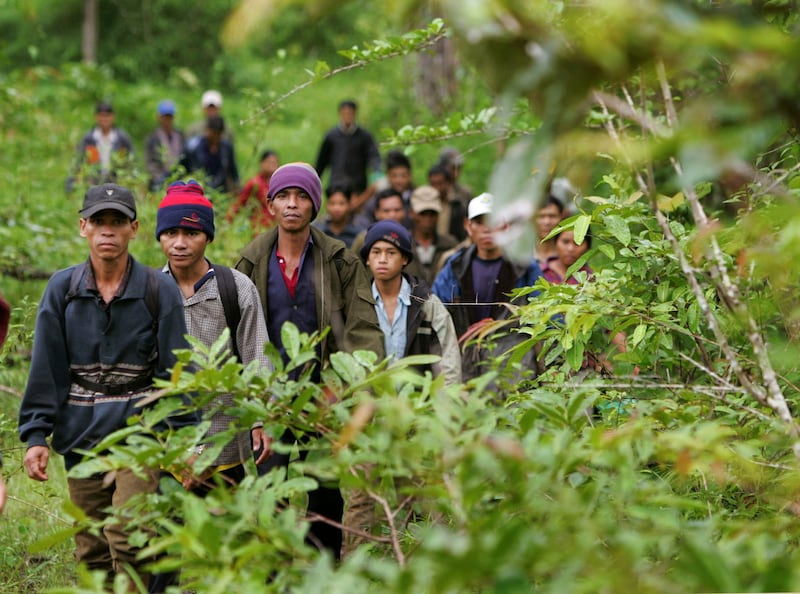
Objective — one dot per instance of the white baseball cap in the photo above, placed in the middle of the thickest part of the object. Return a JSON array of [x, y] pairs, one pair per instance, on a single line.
[[480, 205], [211, 98]]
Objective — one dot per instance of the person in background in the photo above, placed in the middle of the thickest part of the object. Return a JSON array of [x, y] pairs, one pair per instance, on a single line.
[[451, 217], [451, 159], [104, 330], [213, 156], [547, 218], [428, 244], [478, 279], [414, 322], [101, 151], [163, 148], [555, 271], [257, 187], [567, 253], [211, 105], [398, 177], [314, 282], [388, 207], [351, 154], [337, 216], [5, 315]]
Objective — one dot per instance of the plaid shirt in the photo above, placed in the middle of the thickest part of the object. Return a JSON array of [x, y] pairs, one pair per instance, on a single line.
[[205, 320]]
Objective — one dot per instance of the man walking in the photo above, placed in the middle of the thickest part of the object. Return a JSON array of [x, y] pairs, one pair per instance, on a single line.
[[104, 330], [350, 151], [312, 281]]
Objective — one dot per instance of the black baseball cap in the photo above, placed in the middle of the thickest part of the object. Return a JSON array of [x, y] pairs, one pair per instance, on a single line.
[[109, 197]]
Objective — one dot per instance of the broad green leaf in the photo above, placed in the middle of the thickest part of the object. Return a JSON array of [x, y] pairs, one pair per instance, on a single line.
[[618, 228], [638, 335], [581, 227]]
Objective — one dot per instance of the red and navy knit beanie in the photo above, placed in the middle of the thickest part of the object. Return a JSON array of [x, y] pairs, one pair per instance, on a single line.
[[185, 206]]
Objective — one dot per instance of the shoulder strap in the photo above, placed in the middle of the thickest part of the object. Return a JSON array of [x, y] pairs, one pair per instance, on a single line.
[[74, 283], [230, 302], [151, 295]]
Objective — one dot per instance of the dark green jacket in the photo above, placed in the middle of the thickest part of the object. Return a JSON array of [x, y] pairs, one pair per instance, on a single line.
[[343, 293]]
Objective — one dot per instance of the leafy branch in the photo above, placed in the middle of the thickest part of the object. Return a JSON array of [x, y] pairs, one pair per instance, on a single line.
[[372, 53]]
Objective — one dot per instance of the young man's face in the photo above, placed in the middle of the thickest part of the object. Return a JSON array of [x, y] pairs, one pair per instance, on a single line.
[[385, 261], [425, 221], [104, 120], [347, 115], [390, 208], [184, 248], [292, 209], [399, 178], [166, 121], [568, 251], [546, 220], [108, 232], [481, 234], [338, 207], [439, 183]]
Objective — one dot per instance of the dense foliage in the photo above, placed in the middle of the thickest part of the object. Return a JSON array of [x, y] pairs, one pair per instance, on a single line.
[[677, 119]]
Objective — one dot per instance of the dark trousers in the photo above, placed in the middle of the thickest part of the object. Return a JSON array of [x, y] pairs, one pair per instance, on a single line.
[[325, 501]]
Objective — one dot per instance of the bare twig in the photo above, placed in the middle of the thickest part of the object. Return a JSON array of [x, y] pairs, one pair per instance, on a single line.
[[429, 42]]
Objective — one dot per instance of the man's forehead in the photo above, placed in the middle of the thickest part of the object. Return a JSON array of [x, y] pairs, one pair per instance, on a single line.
[[108, 212]]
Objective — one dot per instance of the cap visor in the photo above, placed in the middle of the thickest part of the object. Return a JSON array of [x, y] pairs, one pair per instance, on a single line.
[[95, 208]]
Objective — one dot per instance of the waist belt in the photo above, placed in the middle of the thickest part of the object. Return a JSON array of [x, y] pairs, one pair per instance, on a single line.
[[113, 389]]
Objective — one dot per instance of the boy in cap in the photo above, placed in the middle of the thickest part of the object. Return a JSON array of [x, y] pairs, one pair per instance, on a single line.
[[414, 322], [477, 279], [211, 105], [313, 281], [163, 148], [104, 330], [102, 150], [213, 156], [429, 244]]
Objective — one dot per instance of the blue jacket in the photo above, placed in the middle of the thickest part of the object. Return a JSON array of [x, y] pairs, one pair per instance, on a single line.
[[80, 339], [451, 285]]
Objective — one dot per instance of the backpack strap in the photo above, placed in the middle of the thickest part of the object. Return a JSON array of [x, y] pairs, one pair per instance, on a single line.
[[74, 283], [229, 296], [150, 291], [151, 296]]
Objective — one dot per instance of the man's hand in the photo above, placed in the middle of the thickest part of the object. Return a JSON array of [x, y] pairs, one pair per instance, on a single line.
[[36, 462], [263, 442]]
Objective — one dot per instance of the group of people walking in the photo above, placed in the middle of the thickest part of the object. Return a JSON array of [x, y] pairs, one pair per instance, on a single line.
[[401, 285]]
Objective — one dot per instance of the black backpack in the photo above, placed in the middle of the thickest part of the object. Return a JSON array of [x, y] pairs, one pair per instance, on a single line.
[[227, 294]]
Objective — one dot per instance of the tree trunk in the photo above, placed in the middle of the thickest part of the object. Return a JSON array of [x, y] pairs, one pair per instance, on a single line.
[[89, 41], [436, 83]]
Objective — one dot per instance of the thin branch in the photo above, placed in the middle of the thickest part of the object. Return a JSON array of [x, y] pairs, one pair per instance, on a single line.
[[430, 41]]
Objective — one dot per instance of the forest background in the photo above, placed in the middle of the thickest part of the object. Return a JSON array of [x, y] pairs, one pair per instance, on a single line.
[[676, 120]]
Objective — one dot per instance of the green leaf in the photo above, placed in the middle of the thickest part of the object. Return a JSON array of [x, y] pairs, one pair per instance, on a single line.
[[638, 335], [581, 227], [618, 228]]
